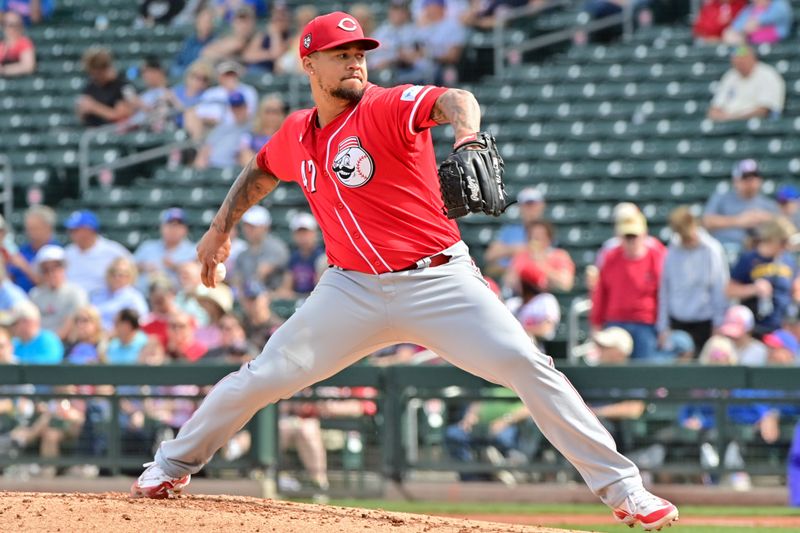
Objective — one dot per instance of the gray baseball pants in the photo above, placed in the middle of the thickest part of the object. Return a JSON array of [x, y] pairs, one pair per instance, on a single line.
[[448, 309]]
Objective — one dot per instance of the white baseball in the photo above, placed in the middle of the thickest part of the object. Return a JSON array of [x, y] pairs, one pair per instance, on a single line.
[[220, 272]]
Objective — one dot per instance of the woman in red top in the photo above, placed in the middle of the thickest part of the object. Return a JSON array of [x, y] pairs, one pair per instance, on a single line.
[[714, 17], [17, 54], [555, 263]]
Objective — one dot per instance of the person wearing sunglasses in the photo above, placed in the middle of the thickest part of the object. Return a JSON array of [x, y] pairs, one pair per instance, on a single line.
[[17, 53]]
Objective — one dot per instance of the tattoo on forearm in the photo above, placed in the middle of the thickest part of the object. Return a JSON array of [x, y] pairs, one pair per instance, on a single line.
[[252, 185], [458, 108]]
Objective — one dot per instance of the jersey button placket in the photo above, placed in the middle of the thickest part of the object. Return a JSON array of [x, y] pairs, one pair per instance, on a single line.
[[340, 205], [356, 235]]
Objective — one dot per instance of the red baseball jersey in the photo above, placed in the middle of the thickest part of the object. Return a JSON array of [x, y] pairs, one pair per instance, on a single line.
[[369, 177]]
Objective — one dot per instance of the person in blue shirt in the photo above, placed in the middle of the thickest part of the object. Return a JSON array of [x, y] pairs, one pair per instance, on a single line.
[[32, 11], [512, 238], [763, 278], [194, 44], [32, 344], [301, 276], [128, 339]]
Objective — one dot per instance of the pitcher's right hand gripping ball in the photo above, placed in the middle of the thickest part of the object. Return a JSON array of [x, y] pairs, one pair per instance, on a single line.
[[471, 178]]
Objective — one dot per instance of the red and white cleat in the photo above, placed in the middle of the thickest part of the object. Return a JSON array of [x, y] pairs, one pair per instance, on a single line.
[[155, 484], [647, 509]]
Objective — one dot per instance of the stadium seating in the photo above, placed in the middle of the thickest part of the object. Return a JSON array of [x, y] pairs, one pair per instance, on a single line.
[[589, 126]]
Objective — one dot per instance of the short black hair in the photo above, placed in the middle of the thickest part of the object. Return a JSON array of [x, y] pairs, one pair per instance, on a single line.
[[152, 61], [131, 316]]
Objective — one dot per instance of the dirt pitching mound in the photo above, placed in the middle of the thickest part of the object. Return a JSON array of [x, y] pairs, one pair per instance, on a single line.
[[78, 512]]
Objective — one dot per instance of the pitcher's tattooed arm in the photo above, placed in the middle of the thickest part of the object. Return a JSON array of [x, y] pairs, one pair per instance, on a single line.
[[460, 109], [250, 187]]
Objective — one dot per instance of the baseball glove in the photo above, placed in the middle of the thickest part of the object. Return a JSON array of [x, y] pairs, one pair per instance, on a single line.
[[471, 178]]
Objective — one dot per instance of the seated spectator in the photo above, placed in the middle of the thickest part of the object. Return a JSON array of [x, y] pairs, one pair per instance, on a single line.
[[439, 43], [266, 256], [750, 89], [155, 103], [189, 283], [482, 14], [610, 346], [119, 293], [270, 115], [728, 215], [763, 21], [788, 198], [31, 11], [783, 348], [624, 211], [301, 273], [266, 47], [396, 35], [17, 53], [127, 340], [215, 108], [555, 263], [627, 289], [233, 45], [10, 295], [10, 254], [153, 12], [227, 10], [56, 298], [181, 343], [692, 295], [234, 348], [512, 238], [161, 257], [161, 295], [259, 320], [39, 223], [489, 429], [714, 18], [538, 312], [32, 344], [90, 254], [734, 343], [764, 279], [216, 303], [85, 343], [107, 97], [194, 44], [289, 62], [221, 147], [188, 94]]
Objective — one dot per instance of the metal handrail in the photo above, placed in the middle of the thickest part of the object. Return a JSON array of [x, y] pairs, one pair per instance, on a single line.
[[8, 186], [578, 306], [86, 171], [567, 34]]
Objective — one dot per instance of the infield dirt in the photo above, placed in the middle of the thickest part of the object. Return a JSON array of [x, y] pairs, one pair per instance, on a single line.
[[116, 512]]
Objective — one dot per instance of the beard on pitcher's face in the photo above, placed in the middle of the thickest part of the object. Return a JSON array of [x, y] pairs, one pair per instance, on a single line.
[[351, 94]]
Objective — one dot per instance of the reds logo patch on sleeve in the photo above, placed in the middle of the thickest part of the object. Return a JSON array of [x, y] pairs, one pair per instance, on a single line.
[[410, 94], [352, 164]]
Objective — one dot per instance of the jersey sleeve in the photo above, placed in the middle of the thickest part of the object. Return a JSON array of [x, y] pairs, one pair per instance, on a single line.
[[411, 105], [270, 159]]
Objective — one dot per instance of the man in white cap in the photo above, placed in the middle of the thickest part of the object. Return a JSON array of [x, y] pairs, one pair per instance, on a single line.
[[728, 215], [512, 238], [56, 298], [301, 275], [266, 255]]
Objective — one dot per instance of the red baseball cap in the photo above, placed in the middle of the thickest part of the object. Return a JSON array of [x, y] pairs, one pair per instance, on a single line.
[[332, 30]]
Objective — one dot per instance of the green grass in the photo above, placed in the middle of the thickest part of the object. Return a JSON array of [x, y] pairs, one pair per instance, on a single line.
[[478, 508], [467, 508]]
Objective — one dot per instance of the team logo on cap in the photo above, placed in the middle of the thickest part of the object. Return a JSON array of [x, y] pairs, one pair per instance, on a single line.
[[353, 165], [347, 24], [307, 41]]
